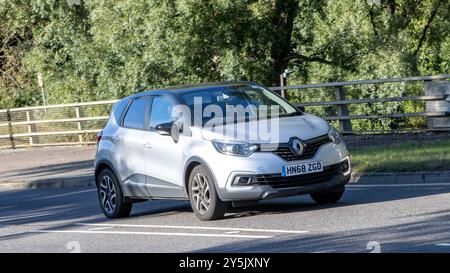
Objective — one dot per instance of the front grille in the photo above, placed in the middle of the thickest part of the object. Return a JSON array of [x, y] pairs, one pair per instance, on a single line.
[[277, 181], [312, 145]]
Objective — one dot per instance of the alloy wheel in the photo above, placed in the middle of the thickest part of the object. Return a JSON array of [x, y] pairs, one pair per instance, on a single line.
[[201, 193], [108, 194]]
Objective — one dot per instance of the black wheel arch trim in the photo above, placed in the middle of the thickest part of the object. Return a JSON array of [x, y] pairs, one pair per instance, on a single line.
[[111, 167], [202, 162]]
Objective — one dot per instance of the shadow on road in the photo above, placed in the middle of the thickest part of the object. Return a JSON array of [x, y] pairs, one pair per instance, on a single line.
[[358, 195], [409, 237], [49, 205], [52, 169], [63, 174], [60, 208], [64, 208]]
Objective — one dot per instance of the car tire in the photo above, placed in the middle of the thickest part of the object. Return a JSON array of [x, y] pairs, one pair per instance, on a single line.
[[327, 197], [205, 201], [110, 196]]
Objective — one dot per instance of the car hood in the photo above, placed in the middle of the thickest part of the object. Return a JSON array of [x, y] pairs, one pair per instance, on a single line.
[[278, 130]]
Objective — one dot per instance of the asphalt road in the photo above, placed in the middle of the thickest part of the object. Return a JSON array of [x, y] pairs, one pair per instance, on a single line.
[[388, 218]]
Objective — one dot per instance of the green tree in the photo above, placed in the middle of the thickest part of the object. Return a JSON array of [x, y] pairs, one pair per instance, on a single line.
[[109, 49]]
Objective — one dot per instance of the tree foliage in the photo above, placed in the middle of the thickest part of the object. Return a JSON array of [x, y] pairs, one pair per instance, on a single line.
[[90, 50]]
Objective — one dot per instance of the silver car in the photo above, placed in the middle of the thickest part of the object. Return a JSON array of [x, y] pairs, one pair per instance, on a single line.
[[216, 145]]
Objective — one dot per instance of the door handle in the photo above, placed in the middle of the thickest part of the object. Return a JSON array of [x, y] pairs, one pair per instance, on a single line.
[[147, 146], [115, 139]]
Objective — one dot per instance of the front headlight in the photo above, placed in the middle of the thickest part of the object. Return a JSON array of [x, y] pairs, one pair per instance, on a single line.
[[235, 148], [334, 135]]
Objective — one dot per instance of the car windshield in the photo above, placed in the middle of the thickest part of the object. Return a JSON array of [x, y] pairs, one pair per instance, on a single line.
[[255, 101]]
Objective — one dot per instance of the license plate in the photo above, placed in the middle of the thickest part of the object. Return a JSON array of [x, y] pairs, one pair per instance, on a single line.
[[299, 169]]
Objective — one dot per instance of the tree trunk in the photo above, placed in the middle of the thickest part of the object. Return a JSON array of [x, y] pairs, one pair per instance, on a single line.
[[283, 22]]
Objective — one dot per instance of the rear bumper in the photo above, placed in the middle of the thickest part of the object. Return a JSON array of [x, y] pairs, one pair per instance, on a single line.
[[274, 186]]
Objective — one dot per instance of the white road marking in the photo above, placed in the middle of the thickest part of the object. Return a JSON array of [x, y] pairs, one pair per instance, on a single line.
[[66, 194], [154, 233], [100, 228], [200, 227], [25, 216], [443, 244], [8, 207], [399, 185]]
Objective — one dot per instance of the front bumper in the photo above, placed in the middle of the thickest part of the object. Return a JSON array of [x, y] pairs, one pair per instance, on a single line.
[[335, 183], [267, 186]]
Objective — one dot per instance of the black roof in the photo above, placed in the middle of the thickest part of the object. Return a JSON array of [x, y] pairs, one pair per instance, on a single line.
[[200, 86], [188, 88]]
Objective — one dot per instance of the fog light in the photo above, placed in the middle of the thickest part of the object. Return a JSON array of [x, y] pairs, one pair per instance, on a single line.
[[242, 180], [345, 166]]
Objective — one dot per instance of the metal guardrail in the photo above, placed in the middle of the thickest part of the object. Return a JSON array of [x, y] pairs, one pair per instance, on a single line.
[[77, 123]]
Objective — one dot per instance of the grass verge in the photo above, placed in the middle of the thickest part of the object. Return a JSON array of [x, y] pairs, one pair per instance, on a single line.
[[405, 157]]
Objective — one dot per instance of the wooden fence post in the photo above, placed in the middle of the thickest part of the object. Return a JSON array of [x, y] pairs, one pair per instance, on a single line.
[[282, 84], [345, 125], [435, 88], [77, 114], [10, 129], [30, 139]]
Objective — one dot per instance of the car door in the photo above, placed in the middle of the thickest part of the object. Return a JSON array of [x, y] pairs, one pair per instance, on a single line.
[[164, 164], [131, 141]]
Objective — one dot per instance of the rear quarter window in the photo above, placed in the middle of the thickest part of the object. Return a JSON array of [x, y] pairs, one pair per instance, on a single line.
[[118, 109]]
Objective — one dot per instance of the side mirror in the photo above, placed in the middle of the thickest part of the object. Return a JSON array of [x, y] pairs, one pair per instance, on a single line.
[[169, 129], [164, 128], [301, 108]]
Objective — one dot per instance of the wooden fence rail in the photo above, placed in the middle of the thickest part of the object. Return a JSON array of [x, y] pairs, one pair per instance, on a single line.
[[77, 123], [341, 103]]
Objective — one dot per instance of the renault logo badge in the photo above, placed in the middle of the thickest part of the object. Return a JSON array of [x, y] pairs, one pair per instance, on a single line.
[[298, 146]]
